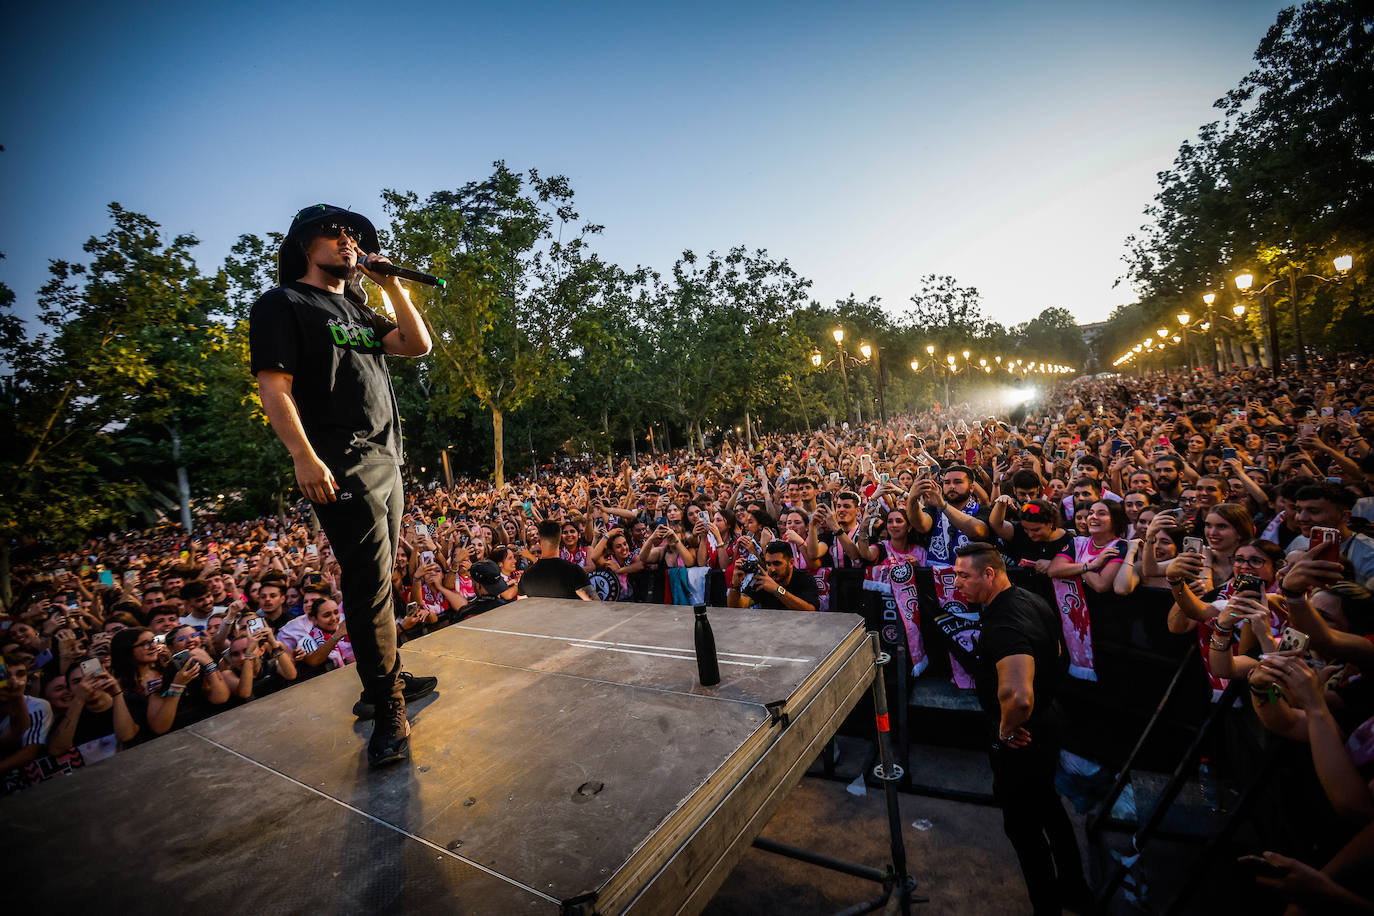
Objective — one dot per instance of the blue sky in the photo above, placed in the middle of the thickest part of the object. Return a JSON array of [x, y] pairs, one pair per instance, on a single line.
[[1013, 146]]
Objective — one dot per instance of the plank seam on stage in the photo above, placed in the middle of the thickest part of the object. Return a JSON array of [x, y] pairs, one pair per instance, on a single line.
[[592, 680], [377, 820], [590, 643]]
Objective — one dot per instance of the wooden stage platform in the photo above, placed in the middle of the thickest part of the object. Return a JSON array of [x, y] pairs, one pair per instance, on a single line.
[[568, 763]]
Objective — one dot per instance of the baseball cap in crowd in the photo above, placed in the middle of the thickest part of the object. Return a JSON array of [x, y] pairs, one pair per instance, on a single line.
[[488, 575]]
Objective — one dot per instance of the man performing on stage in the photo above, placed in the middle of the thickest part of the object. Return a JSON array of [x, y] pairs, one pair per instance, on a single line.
[[318, 353]]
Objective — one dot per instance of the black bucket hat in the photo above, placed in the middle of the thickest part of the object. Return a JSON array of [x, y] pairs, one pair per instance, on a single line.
[[291, 263]]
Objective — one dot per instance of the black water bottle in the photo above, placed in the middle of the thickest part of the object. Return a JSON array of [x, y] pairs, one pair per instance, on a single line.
[[707, 668]]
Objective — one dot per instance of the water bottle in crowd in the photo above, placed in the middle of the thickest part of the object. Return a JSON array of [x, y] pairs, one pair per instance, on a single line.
[[707, 667]]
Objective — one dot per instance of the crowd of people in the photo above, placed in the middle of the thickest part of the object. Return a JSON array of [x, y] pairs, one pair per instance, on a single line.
[[1229, 511]]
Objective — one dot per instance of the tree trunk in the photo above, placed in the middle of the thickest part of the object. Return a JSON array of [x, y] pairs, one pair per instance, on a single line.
[[183, 484], [606, 431], [748, 431], [498, 444], [281, 508], [6, 593], [634, 448]]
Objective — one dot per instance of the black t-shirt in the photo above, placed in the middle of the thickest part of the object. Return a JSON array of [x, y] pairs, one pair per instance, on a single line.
[[332, 348], [480, 605], [1018, 622], [1021, 547], [835, 557], [553, 577], [93, 725], [802, 584], [282, 620]]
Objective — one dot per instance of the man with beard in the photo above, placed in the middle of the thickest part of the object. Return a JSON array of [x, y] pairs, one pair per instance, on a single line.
[[319, 355], [1168, 479], [948, 513]]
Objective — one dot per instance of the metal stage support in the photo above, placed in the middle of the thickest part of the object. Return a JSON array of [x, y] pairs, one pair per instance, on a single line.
[[890, 773], [1150, 828]]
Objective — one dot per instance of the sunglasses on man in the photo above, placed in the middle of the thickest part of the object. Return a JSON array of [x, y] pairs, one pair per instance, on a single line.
[[332, 231]]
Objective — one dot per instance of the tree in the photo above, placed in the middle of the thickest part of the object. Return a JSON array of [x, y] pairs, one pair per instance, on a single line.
[[122, 350], [1052, 336], [725, 323], [516, 290], [1284, 179]]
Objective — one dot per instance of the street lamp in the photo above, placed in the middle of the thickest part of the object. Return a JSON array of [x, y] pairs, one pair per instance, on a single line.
[[1209, 298], [1183, 319], [875, 356], [818, 362], [1238, 309], [844, 373], [1244, 282], [930, 349], [915, 366]]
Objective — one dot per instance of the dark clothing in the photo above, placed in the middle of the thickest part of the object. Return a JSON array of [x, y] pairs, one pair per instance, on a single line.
[[364, 528], [332, 348], [1035, 822], [1018, 622], [286, 616], [553, 577], [1021, 547], [265, 683], [93, 725], [801, 585], [480, 605], [835, 557]]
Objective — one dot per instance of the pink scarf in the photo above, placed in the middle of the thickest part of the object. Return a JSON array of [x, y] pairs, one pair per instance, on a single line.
[[1072, 603], [903, 579]]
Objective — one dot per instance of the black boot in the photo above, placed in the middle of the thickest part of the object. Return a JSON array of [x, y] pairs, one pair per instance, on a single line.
[[413, 688], [390, 742]]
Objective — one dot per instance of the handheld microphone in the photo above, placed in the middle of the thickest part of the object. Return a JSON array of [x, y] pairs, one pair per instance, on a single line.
[[393, 270]]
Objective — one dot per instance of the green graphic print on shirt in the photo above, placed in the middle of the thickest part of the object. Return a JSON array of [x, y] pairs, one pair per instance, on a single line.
[[353, 337]]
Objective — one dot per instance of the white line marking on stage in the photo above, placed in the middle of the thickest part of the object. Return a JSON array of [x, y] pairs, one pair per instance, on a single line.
[[390, 826], [600, 643], [686, 658]]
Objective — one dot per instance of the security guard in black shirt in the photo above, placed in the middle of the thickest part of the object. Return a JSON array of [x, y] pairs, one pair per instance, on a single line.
[[1020, 665]]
